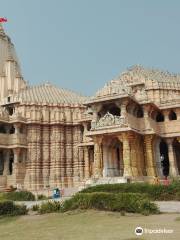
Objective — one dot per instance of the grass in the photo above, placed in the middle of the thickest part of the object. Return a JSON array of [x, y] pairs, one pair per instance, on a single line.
[[86, 225], [177, 219]]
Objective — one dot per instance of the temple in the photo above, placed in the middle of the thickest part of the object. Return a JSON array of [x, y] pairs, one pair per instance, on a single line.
[[52, 137]]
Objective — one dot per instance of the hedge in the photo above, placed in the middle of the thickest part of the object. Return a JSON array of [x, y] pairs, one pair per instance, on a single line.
[[154, 192], [9, 208], [128, 202], [18, 196]]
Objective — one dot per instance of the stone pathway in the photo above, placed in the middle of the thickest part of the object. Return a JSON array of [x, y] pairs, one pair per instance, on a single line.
[[169, 206]]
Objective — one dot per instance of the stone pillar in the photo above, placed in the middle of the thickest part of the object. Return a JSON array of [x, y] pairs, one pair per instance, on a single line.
[[147, 124], [17, 128], [134, 158], [6, 154], [86, 160], [46, 156], [173, 172], [81, 163], [149, 155], [16, 152], [98, 157], [166, 115], [126, 156], [123, 108]]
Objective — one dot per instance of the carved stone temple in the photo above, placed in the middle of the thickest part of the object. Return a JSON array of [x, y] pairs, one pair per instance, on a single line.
[[54, 137]]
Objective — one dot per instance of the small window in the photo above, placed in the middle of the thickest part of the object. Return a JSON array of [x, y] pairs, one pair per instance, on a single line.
[[172, 116], [9, 99], [160, 117]]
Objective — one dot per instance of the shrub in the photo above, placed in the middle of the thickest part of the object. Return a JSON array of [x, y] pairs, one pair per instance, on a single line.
[[35, 207], [154, 192], [128, 202], [9, 208], [42, 197], [49, 207], [19, 196]]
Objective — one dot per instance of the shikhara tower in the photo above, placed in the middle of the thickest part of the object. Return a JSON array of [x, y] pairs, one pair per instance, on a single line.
[[51, 137], [11, 80]]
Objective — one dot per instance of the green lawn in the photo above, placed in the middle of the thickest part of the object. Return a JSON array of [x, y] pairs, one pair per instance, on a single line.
[[87, 225]]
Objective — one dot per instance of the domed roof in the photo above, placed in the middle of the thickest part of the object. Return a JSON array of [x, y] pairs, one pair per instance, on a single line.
[[7, 52], [48, 94], [122, 85]]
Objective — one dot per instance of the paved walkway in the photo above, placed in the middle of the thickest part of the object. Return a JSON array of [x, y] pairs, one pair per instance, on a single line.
[[169, 206]]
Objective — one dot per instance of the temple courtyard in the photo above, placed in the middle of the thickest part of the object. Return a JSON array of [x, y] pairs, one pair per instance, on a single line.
[[88, 225]]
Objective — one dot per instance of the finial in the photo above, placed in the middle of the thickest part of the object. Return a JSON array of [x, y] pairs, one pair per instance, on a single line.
[[2, 33]]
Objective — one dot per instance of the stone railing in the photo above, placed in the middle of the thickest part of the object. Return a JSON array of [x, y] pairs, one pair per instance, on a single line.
[[109, 120], [7, 140], [11, 119]]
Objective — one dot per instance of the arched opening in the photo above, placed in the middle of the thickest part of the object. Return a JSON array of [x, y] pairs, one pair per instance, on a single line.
[[89, 126], [176, 147], [172, 115], [111, 108], [164, 157], [10, 110], [112, 158], [2, 129], [138, 112], [159, 117]]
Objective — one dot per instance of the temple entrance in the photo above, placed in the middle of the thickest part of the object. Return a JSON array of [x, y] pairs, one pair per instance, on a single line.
[[164, 157], [176, 147], [112, 158]]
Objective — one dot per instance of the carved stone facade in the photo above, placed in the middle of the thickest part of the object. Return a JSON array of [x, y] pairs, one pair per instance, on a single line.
[[51, 137]]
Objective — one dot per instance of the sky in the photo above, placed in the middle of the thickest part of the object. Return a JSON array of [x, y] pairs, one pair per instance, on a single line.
[[82, 44]]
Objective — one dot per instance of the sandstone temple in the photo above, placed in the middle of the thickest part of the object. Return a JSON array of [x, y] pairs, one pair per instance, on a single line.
[[51, 137]]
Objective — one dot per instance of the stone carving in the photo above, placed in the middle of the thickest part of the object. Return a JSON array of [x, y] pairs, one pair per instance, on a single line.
[[109, 120]]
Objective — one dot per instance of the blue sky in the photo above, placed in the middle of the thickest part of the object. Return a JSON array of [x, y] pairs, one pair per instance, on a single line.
[[82, 44]]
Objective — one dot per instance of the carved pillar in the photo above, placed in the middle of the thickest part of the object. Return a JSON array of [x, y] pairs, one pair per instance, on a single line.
[[81, 163], [134, 156], [6, 154], [149, 156], [173, 171], [126, 155], [53, 156], [69, 156], [87, 165], [123, 108], [46, 156], [146, 109], [16, 164], [98, 165], [166, 115], [17, 127], [62, 163], [77, 138]]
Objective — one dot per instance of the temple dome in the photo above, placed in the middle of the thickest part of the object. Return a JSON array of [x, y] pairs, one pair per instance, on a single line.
[[138, 75], [48, 94]]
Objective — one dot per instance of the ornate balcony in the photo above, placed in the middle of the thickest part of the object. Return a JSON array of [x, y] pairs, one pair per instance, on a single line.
[[112, 123], [109, 120]]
